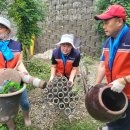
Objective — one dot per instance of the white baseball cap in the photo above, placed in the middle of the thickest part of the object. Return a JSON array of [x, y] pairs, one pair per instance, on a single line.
[[70, 38], [5, 22]]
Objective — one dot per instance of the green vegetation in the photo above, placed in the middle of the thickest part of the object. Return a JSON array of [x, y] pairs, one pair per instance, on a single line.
[[19, 124], [39, 68], [3, 5], [10, 86], [89, 60], [26, 14], [102, 5], [78, 125]]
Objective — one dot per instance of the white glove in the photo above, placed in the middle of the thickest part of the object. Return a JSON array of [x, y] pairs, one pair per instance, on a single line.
[[118, 85]]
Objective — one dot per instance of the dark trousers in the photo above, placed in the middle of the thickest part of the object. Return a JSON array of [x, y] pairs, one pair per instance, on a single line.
[[123, 123]]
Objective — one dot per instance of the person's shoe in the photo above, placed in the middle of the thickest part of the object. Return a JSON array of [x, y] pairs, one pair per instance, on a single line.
[[10, 124], [27, 119]]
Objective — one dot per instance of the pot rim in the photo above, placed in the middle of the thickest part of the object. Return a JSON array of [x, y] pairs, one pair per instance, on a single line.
[[14, 93], [110, 111]]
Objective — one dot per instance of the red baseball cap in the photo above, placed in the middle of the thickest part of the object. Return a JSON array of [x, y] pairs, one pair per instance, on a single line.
[[112, 11]]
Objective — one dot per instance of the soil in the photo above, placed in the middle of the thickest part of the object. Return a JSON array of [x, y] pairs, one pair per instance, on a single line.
[[44, 115]]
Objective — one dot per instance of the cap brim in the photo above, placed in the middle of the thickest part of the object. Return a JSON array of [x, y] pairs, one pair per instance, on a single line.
[[59, 43], [103, 17]]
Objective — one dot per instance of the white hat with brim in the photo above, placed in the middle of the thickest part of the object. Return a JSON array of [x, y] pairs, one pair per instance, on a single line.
[[5, 22], [69, 38]]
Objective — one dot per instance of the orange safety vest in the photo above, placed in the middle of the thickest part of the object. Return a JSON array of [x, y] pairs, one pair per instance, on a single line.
[[60, 67], [16, 49], [64, 70], [121, 63]]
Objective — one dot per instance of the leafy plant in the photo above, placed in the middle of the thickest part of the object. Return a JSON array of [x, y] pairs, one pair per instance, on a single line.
[[26, 14], [3, 5], [39, 68], [102, 5], [10, 86]]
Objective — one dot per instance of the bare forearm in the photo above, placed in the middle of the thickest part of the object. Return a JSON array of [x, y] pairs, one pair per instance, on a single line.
[[101, 72], [53, 72], [73, 73], [22, 68]]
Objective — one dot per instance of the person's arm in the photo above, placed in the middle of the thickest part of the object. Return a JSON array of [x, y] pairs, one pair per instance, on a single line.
[[20, 66], [101, 72], [26, 77], [119, 84], [73, 73], [53, 67], [74, 70], [53, 72]]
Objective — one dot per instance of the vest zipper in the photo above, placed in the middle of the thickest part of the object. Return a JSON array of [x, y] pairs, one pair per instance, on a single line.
[[64, 70], [5, 64]]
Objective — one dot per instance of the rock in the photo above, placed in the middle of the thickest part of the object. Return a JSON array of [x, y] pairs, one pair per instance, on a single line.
[[45, 55]]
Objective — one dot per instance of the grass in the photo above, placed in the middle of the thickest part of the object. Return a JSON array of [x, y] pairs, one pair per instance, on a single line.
[[89, 60], [38, 68], [19, 124], [79, 125], [41, 69]]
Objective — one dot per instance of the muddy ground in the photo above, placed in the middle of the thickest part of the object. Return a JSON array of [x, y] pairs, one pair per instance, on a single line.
[[44, 115]]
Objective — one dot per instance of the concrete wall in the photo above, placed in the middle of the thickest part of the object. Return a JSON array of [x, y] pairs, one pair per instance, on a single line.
[[70, 16], [67, 16]]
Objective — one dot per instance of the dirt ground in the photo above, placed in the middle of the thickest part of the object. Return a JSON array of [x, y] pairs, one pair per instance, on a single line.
[[44, 115]]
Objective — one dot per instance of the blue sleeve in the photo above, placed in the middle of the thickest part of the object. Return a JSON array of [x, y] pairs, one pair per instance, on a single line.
[[53, 59], [77, 60], [102, 57]]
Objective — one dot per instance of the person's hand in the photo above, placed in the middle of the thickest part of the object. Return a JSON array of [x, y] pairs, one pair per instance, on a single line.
[[118, 85], [2, 70], [70, 84], [71, 80], [51, 78]]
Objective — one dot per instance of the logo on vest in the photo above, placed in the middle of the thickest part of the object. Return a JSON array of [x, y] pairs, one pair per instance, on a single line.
[[124, 44], [71, 58]]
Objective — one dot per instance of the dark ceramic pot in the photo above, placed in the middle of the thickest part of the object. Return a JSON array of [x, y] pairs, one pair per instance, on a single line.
[[9, 104], [104, 104]]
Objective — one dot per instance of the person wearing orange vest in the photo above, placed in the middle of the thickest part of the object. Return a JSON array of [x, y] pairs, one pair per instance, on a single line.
[[11, 57], [115, 59], [66, 57]]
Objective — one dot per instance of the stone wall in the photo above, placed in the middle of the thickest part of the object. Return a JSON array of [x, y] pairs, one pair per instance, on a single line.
[[69, 16]]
